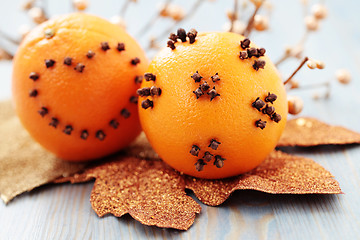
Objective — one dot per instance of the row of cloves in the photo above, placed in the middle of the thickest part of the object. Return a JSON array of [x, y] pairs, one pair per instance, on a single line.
[[68, 128], [90, 54], [84, 133], [105, 46], [265, 108], [67, 61], [181, 35], [252, 52], [200, 163], [204, 87], [120, 47], [80, 68]]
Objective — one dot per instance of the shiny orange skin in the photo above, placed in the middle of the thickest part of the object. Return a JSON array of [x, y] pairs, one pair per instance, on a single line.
[[178, 120], [86, 100]]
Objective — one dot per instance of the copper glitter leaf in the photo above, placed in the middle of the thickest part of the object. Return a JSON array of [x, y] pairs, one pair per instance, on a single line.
[[140, 149], [24, 164], [149, 190], [306, 132], [137, 182], [280, 173]]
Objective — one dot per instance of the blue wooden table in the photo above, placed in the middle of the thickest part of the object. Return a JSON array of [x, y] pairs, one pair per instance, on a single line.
[[64, 212]]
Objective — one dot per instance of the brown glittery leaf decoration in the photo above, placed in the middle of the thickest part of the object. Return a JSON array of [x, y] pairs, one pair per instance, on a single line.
[[149, 190], [137, 182], [24, 164], [306, 132], [280, 173], [140, 149]]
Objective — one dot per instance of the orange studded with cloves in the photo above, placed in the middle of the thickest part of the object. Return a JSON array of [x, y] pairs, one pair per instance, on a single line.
[[75, 91], [222, 106]]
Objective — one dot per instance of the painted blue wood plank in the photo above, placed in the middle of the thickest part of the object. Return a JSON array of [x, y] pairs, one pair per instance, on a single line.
[[64, 211]]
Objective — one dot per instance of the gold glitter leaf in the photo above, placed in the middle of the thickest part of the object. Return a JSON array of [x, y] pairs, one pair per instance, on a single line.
[[306, 132], [280, 173], [24, 164], [149, 190]]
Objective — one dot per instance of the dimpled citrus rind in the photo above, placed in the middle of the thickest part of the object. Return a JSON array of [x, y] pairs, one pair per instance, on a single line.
[[178, 120], [86, 101]]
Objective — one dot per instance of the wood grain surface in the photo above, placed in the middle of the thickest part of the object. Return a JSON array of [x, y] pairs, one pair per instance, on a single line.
[[64, 212]]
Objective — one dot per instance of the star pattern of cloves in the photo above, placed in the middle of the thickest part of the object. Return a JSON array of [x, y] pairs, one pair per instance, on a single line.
[[79, 67], [208, 156], [204, 87], [265, 108]]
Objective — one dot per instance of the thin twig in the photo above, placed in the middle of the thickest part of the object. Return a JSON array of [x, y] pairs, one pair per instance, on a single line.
[[312, 86], [124, 8], [9, 54], [305, 8], [152, 21], [300, 44], [296, 70], [249, 26], [45, 8], [235, 16], [194, 8], [303, 39], [8, 38], [148, 25], [282, 59]]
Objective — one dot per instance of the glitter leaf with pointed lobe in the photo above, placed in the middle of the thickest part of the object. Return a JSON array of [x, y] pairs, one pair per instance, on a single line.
[[149, 190], [307, 132], [24, 164], [280, 173], [84, 76]]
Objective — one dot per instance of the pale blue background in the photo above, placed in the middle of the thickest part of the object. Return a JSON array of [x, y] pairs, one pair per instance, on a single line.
[[64, 212]]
